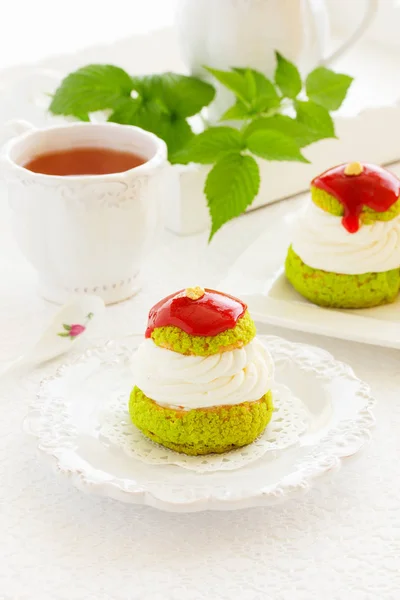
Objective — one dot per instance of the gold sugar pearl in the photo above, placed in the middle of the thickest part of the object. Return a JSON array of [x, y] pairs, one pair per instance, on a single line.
[[194, 293], [354, 168]]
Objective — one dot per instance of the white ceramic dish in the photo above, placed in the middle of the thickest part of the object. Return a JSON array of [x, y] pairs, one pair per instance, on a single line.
[[257, 277], [67, 414]]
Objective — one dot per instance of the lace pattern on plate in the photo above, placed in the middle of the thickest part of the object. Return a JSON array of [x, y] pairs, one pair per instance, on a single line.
[[50, 421], [288, 422]]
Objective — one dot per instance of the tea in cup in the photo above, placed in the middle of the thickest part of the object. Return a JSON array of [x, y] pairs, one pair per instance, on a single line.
[[84, 204]]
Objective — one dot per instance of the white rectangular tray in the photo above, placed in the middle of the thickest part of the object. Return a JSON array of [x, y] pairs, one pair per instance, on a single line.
[[257, 277]]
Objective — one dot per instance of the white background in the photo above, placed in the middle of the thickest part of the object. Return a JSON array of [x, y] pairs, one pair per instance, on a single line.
[[32, 30], [340, 542]]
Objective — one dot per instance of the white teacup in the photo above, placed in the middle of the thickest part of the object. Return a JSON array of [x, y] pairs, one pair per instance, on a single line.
[[84, 234]]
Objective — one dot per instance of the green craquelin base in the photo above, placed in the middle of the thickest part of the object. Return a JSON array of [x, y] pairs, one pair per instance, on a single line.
[[177, 340], [204, 430], [330, 204], [335, 290]]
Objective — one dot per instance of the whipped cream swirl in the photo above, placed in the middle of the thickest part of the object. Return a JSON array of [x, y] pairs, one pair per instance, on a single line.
[[175, 380], [322, 242]]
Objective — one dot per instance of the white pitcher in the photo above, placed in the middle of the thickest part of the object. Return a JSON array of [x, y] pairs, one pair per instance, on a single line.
[[245, 33]]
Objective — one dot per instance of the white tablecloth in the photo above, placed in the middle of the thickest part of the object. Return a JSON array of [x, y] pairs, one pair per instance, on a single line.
[[340, 542]]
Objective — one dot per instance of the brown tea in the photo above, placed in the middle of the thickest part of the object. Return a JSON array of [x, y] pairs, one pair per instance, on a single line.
[[84, 161]]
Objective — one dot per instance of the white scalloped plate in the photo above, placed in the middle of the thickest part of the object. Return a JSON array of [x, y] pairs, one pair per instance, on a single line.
[[65, 418]]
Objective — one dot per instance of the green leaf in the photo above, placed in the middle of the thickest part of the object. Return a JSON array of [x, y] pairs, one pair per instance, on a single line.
[[83, 117], [313, 123], [63, 334], [327, 88], [287, 77], [145, 85], [274, 145], [252, 88], [91, 88], [231, 187], [248, 76], [183, 96], [126, 110], [267, 96], [207, 147], [149, 115], [316, 118], [176, 133], [261, 90], [286, 125], [67, 327], [237, 112], [235, 82]]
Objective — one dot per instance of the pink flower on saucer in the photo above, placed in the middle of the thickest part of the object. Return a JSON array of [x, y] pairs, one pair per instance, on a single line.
[[74, 330]]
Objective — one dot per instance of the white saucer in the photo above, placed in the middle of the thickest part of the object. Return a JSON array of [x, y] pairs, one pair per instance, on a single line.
[[66, 419], [257, 278]]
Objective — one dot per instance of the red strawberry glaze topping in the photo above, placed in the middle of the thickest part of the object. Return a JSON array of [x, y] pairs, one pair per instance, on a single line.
[[197, 312], [356, 186]]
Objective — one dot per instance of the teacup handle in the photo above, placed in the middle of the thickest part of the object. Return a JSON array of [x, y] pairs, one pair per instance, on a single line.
[[10, 130], [14, 128]]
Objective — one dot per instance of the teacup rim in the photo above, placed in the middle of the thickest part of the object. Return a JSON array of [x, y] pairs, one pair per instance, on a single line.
[[160, 156]]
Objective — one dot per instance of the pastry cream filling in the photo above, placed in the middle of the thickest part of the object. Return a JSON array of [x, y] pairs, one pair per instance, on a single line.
[[177, 380], [321, 241]]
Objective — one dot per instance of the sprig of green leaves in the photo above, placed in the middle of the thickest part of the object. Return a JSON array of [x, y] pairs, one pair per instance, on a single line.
[[160, 103], [276, 119]]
